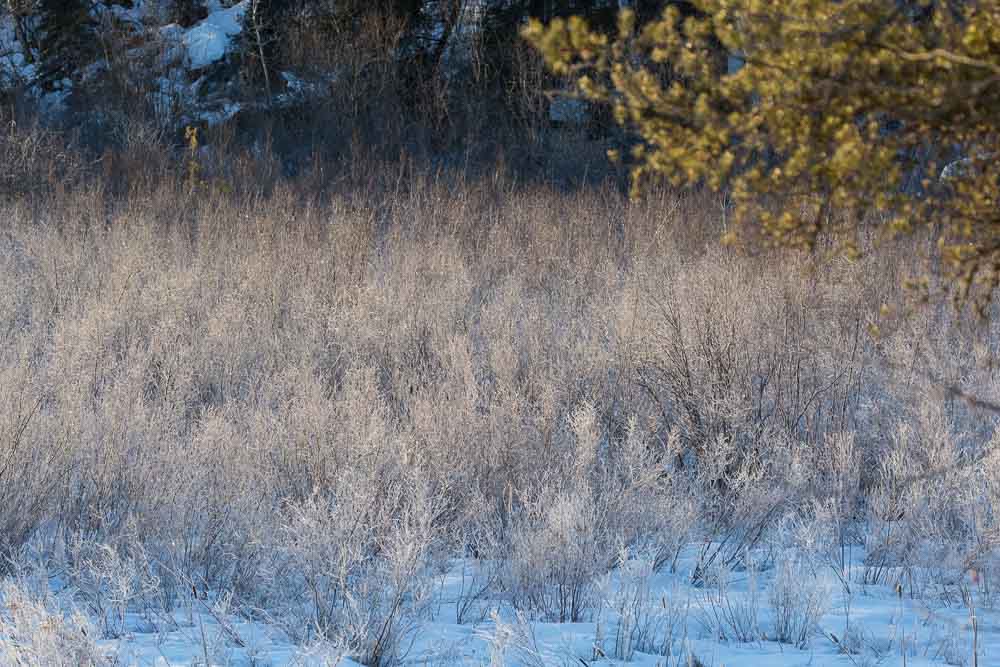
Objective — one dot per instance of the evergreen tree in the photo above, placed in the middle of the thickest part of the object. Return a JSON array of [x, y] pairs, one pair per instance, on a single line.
[[838, 105]]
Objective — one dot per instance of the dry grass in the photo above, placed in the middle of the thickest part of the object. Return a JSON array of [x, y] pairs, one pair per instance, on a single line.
[[309, 406]]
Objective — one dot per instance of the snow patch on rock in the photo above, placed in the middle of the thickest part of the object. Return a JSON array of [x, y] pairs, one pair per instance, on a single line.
[[14, 68], [208, 41]]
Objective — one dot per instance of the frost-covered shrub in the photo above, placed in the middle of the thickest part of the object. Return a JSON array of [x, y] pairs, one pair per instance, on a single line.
[[739, 498], [731, 615], [798, 600], [195, 364], [608, 493], [112, 580], [35, 629], [927, 510], [643, 619], [31, 462], [353, 567], [559, 547], [651, 507], [513, 642]]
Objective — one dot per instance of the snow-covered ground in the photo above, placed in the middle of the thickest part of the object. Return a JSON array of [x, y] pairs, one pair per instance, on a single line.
[[690, 625]]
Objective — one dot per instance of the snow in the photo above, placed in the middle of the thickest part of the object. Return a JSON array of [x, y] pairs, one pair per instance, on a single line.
[[881, 625], [14, 68], [208, 41], [184, 53], [220, 115]]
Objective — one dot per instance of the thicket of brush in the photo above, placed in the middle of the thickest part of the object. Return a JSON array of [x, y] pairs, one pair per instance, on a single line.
[[307, 400]]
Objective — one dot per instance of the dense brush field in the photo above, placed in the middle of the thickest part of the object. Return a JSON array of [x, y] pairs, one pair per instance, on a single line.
[[444, 419]]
